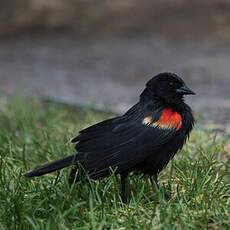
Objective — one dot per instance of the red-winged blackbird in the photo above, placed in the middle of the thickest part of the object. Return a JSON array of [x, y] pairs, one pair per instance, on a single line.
[[143, 140]]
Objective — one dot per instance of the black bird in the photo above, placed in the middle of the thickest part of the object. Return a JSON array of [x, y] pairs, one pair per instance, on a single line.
[[142, 140]]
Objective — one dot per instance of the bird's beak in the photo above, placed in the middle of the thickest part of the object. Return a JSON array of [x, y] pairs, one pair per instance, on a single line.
[[185, 90]]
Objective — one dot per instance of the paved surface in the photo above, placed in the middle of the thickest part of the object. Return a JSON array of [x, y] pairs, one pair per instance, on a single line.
[[110, 73]]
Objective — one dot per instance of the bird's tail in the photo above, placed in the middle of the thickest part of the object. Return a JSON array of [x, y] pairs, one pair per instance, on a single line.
[[52, 166]]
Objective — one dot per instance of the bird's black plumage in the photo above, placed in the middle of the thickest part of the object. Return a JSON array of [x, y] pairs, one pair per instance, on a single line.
[[143, 140]]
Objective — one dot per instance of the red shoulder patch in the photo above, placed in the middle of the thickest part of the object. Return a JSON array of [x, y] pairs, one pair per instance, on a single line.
[[169, 119]]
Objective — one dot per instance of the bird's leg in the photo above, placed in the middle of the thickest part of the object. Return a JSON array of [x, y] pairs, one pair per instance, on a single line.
[[155, 185], [154, 181], [124, 195]]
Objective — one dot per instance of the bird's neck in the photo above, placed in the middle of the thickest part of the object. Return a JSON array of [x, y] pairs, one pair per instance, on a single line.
[[149, 99], [146, 95]]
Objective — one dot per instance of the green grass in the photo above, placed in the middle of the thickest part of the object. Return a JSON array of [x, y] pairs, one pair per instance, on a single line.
[[34, 132]]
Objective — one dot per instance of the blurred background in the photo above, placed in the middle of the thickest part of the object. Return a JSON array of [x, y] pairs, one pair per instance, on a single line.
[[101, 53]]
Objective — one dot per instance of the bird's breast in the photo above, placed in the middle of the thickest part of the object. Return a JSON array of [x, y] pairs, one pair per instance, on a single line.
[[168, 119]]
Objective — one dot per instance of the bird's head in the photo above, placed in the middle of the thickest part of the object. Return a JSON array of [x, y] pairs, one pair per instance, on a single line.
[[168, 87]]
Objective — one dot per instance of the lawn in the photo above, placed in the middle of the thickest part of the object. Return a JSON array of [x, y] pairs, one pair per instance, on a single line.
[[33, 132]]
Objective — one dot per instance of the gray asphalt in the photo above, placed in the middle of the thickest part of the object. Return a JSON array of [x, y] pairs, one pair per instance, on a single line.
[[110, 73]]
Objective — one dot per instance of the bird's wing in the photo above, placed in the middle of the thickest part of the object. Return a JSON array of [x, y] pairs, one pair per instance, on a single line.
[[120, 143]]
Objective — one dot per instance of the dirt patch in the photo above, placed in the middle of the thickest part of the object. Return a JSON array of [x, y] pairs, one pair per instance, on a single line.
[[172, 18]]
